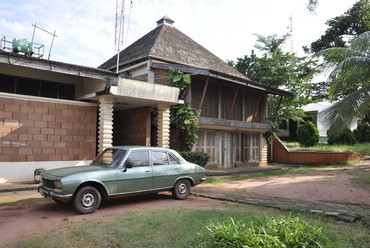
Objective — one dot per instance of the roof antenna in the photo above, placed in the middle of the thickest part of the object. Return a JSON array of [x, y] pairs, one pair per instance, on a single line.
[[52, 41], [119, 28]]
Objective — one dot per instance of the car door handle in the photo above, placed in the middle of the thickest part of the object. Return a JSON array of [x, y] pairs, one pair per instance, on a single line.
[[148, 171]]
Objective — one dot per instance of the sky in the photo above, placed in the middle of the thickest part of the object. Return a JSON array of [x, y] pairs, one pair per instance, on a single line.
[[85, 29]]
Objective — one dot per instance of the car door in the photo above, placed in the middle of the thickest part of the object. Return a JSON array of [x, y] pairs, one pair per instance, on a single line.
[[166, 169], [136, 175]]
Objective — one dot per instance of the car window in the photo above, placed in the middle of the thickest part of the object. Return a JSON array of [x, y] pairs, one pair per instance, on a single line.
[[110, 158], [160, 158], [172, 159], [163, 158], [137, 159]]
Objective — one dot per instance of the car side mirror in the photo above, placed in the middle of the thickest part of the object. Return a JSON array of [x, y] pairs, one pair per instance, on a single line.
[[128, 165]]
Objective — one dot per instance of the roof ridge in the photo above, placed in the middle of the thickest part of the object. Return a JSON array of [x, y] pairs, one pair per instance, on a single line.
[[156, 38]]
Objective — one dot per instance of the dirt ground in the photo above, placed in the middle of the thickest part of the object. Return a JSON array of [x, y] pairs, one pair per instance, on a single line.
[[329, 185], [325, 185]]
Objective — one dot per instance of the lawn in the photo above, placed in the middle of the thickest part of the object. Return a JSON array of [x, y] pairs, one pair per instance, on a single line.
[[262, 174], [181, 228], [363, 148]]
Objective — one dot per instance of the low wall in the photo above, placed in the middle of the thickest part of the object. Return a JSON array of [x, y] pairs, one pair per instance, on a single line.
[[23, 171], [281, 154]]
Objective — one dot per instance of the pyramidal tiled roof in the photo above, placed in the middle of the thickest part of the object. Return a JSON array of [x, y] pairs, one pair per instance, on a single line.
[[168, 44]]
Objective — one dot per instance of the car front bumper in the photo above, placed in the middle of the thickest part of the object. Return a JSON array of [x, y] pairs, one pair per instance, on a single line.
[[55, 196]]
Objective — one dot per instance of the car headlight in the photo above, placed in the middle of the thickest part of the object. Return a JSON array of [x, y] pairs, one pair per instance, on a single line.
[[58, 184]]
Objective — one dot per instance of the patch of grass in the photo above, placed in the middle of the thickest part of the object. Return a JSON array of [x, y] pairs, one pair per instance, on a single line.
[[24, 200], [265, 232], [262, 174], [362, 178], [362, 148], [177, 228]]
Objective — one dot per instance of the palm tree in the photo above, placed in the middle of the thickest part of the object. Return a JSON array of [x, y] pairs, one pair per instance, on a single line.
[[349, 82]]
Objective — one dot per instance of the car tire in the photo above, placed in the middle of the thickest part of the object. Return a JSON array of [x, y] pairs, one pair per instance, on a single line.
[[181, 190], [87, 200]]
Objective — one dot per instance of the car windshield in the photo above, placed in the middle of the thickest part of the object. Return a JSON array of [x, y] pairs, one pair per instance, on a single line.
[[110, 157]]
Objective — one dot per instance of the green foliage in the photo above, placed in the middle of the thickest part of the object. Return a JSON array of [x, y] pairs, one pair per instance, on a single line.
[[307, 134], [179, 80], [185, 119], [345, 137], [174, 227], [265, 232], [283, 70], [312, 5], [349, 83], [199, 158], [183, 116], [362, 132], [353, 22], [363, 148]]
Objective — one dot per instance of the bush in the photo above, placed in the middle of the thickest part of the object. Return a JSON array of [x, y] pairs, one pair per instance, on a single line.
[[346, 137], [265, 232], [307, 134], [199, 158], [362, 132]]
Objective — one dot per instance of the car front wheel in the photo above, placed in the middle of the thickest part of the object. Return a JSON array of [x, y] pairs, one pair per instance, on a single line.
[[182, 189], [87, 200]]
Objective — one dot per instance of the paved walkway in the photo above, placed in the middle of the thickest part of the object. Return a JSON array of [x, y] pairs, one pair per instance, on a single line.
[[18, 191], [342, 212]]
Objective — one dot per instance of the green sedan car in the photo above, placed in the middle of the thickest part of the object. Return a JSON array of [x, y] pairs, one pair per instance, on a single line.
[[121, 171]]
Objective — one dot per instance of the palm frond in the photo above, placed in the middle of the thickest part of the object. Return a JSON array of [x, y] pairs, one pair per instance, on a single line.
[[343, 112]]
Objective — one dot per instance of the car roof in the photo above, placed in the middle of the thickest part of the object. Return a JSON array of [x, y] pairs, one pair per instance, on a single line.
[[140, 147]]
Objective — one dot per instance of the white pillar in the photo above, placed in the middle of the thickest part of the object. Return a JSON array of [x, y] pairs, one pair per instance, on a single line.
[[263, 150], [163, 134], [105, 138]]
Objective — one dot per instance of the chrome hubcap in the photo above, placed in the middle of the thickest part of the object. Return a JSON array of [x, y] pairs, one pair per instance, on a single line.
[[182, 188], [88, 200]]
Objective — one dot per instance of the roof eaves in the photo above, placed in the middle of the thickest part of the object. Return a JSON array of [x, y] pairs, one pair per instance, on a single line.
[[58, 63], [202, 71]]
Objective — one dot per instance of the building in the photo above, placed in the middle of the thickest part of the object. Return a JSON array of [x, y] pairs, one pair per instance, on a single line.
[[54, 114], [232, 108], [314, 112]]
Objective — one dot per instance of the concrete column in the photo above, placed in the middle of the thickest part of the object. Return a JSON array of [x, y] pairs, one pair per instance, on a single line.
[[163, 134], [105, 138], [263, 150]]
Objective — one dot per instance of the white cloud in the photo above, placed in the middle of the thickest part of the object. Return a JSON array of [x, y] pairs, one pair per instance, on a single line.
[[85, 29]]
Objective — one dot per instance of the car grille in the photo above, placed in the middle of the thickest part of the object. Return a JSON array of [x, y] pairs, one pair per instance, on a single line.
[[48, 183]]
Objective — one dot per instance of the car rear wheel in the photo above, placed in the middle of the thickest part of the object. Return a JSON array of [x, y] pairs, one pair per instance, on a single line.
[[87, 200], [181, 190]]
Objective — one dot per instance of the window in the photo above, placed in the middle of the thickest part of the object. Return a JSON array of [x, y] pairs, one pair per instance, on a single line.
[[137, 159], [110, 158], [35, 87], [27, 86], [49, 89], [7, 84], [251, 149], [163, 158]]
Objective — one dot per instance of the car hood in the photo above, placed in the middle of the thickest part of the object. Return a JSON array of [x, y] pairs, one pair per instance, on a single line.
[[67, 171]]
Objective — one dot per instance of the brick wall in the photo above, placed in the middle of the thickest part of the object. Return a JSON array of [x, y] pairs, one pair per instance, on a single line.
[[143, 78], [132, 127], [160, 77], [33, 130]]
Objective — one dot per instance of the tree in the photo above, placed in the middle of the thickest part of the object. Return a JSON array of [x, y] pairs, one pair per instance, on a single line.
[[312, 5], [307, 134], [349, 82], [353, 22], [282, 70]]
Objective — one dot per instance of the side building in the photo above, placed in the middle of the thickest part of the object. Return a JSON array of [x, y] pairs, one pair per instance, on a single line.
[[232, 108], [54, 114]]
